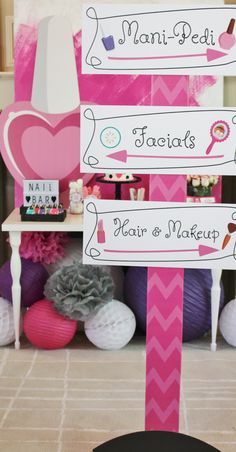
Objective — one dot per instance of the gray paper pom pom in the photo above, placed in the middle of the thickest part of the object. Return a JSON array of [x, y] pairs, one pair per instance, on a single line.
[[79, 290]]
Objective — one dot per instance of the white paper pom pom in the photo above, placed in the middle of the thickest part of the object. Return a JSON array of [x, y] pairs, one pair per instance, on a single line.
[[7, 334], [227, 323], [112, 327]]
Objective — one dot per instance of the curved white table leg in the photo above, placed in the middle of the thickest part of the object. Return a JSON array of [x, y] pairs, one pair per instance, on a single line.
[[215, 305], [15, 240]]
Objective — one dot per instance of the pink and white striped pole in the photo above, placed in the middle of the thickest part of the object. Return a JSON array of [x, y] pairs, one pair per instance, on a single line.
[[165, 293]]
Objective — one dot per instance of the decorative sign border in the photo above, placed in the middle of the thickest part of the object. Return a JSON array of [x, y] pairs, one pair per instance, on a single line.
[[140, 232], [154, 140], [121, 38]]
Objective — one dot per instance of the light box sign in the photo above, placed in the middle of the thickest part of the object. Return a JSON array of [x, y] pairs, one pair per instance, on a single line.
[[158, 140], [38, 192], [154, 39], [159, 234]]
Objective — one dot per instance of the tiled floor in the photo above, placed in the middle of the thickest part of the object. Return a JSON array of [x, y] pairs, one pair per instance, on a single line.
[[73, 399]]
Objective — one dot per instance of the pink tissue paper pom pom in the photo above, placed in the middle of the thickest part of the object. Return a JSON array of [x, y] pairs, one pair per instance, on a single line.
[[44, 247]]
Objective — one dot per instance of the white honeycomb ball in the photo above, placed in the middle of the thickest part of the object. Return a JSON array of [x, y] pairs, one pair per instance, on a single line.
[[112, 327], [7, 334], [227, 323]]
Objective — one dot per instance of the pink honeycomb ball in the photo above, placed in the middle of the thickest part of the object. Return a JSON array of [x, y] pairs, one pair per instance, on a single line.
[[47, 329]]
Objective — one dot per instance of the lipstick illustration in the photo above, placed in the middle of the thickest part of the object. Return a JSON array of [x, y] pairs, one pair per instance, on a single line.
[[227, 39], [35, 135], [101, 238], [231, 230]]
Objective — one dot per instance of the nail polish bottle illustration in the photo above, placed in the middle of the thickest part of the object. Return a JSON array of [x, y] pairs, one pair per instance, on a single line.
[[101, 238], [108, 41], [35, 136], [227, 39]]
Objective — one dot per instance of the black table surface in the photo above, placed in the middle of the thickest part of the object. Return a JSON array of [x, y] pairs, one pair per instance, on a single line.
[[157, 441]]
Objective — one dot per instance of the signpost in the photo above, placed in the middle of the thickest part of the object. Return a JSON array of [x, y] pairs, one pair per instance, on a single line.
[[166, 142]]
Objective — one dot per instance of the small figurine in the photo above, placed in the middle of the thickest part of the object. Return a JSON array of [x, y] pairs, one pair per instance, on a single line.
[[76, 197]]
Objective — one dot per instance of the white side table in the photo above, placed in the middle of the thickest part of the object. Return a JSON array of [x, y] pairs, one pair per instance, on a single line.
[[14, 225], [72, 223]]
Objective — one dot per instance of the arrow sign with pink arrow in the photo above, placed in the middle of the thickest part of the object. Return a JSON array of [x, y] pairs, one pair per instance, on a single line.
[[157, 40], [157, 140], [160, 234]]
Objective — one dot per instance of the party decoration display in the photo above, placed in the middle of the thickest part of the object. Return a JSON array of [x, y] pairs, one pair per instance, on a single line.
[[40, 192], [186, 139], [33, 279], [112, 327], [131, 38], [40, 139], [44, 247], [227, 323], [7, 333], [158, 234], [79, 290], [76, 197], [47, 329], [197, 300]]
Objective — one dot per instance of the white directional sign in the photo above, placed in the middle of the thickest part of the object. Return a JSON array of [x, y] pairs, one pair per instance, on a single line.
[[159, 234], [158, 140], [154, 39]]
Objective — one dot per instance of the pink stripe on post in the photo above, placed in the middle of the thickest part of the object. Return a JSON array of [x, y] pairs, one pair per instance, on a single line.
[[165, 294]]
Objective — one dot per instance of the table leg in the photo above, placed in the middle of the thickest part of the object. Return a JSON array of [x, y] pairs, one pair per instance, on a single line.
[[215, 305], [15, 240]]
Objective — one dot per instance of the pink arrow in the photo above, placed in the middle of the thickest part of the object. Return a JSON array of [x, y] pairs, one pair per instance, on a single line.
[[122, 156], [211, 54], [202, 250]]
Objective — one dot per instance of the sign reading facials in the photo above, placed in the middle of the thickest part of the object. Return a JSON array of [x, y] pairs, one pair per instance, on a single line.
[[159, 39], [160, 234], [158, 140], [38, 192]]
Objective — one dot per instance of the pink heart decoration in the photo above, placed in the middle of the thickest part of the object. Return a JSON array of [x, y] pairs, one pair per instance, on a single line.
[[39, 146]]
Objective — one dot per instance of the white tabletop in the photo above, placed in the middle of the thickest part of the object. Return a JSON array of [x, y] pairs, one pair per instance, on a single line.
[[72, 223]]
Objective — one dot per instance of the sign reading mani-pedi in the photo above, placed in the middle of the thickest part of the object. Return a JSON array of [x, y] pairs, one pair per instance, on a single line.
[[154, 140], [154, 39], [160, 234]]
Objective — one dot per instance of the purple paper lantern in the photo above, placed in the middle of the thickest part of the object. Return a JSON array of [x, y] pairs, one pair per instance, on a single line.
[[33, 279], [197, 300]]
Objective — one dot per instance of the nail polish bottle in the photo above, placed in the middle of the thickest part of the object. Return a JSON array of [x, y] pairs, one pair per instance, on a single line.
[[227, 39], [101, 238], [40, 139]]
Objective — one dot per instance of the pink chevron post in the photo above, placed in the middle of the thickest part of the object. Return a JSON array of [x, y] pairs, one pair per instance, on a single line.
[[165, 294]]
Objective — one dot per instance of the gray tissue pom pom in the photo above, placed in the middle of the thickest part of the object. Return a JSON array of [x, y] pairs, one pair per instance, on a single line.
[[79, 290]]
